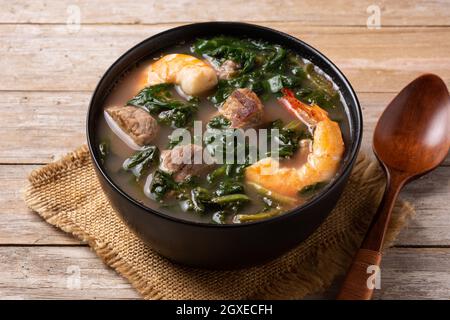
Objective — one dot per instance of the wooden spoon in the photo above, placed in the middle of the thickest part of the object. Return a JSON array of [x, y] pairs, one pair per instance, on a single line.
[[410, 139]]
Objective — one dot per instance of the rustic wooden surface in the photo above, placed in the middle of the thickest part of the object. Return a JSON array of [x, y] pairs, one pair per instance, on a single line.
[[48, 73]]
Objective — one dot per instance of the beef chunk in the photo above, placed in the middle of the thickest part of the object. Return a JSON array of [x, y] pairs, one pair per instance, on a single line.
[[243, 108], [181, 163], [227, 69], [136, 122]]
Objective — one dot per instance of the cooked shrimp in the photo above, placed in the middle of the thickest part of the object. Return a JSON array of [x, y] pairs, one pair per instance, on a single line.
[[322, 163], [193, 75]]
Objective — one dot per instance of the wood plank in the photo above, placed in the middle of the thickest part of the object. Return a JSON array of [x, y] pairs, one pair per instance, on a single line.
[[20, 226], [53, 273], [430, 195], [415, 274], [38, 126], [50, 273], [305, 12], [48, 57], [407, 273]]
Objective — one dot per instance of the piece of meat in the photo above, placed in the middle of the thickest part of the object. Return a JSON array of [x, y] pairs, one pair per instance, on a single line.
[[243, 108], [184, 161], [227, 69], [136, 122]]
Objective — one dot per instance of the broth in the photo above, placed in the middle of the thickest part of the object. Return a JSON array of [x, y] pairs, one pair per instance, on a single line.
[[129, 86]]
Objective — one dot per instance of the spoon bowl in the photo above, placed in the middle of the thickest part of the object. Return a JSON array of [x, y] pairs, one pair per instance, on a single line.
[[412, 134]]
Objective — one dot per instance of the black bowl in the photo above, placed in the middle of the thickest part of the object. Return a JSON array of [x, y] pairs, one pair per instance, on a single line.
[[234, 245]]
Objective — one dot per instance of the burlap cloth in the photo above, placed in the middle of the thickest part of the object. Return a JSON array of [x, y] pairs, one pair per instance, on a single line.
[[66, 194]]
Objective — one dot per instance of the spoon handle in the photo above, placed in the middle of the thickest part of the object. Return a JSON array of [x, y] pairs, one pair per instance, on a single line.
[[363, 274]]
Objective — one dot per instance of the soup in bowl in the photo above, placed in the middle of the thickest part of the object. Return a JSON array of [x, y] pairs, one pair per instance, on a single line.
[[223, 144]]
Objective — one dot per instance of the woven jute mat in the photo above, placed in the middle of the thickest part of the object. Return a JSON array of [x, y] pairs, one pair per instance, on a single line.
[[66, 194]]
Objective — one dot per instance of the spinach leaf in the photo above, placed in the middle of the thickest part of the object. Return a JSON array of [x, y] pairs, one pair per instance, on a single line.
[[236, 171], [219, 122], [312, 189], [199, 197], [265, 66], [162, 183], [275, 83], [265, 214], [158, 101], [217, 173], [218, 217], [276, 59], [231, 199], [288, 138], [141, 160], [155, 98], [229, 187], [318, 90], [223, 48], [174, 141], [318, 96]]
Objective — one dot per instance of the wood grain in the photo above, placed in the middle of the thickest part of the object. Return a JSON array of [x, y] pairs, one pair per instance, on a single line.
[[304, 12], [52, 273], [20, 226], [48, 57], [45, 272], [415, 274]]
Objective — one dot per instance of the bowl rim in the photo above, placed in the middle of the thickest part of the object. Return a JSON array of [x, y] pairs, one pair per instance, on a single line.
[[356, 127]]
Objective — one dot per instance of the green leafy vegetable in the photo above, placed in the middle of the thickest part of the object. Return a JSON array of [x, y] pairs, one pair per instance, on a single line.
[[199, 198], [141, 160], [318, 90], [162, 183], [231, 198], [288, 138], [236, 171], [275, 83], [217, 173], [229, 187], [312, 189], [158, 101], [228, 196], [257, 216], [265, 67], [319, 97], [219, 122], [222, 48], [218, 217], [103, 149], [174, 141], [271, 194]]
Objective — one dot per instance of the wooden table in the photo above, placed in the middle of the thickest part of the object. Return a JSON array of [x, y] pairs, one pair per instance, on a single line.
[[49, 70]]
